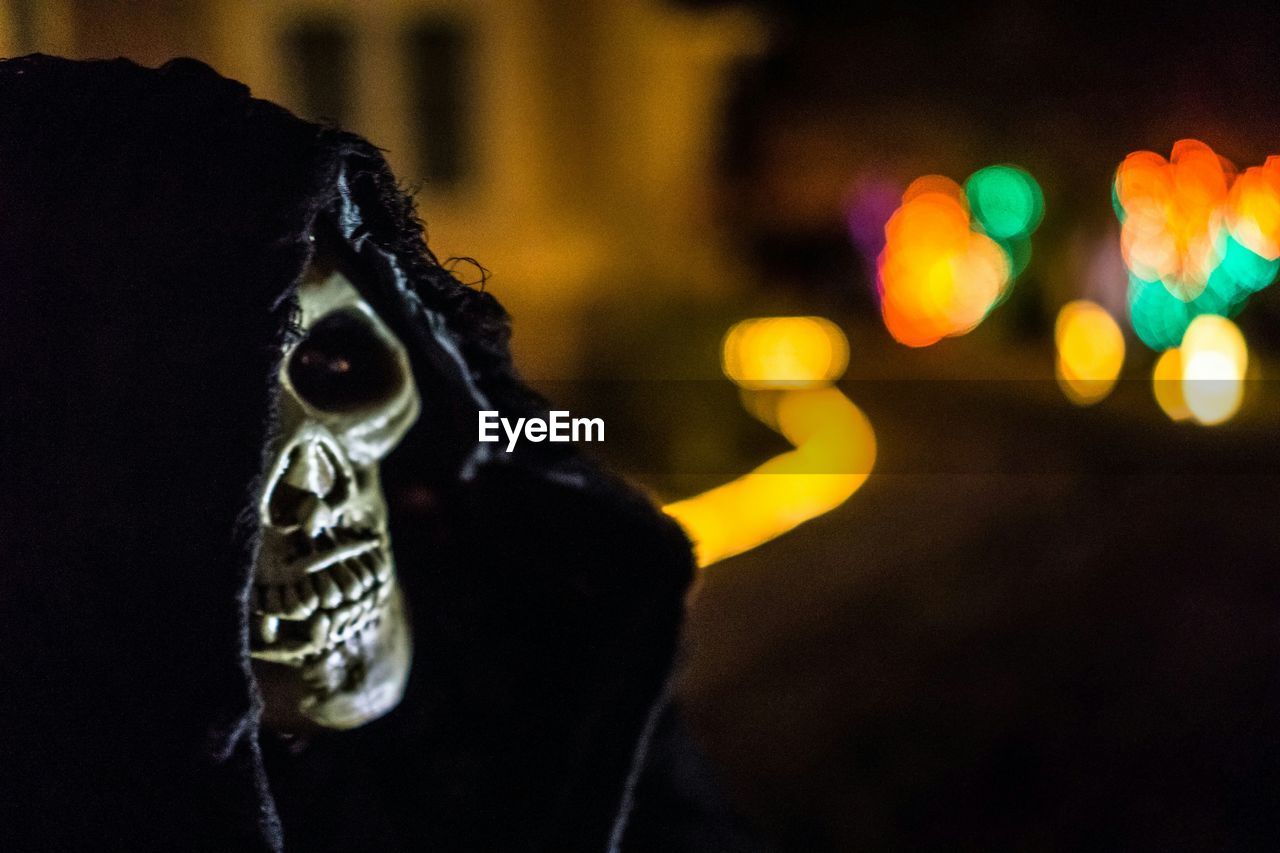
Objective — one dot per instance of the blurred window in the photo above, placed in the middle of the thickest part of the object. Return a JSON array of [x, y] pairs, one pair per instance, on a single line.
[[437, 53], [319, 55]]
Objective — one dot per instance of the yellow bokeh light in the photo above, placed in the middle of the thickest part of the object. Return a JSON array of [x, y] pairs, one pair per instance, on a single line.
[[1090, 348], [1166, 381], [784, 352], [1212, 333], [1214, 360]]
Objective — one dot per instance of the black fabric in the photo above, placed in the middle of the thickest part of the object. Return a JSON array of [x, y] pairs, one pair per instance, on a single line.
[[679, 806], [153, 227]]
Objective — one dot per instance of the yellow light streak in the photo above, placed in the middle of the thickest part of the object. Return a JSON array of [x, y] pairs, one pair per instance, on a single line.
[[835, 445]]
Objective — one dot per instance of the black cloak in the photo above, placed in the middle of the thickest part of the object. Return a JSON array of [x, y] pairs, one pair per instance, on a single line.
[[153, 227]]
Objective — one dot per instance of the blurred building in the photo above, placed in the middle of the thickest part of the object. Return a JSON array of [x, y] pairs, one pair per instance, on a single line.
[[568, 146]]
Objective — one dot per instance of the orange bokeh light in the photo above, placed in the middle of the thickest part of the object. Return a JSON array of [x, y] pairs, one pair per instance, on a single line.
[[1198, 236], [1173, 215], [1253, 211], [937, 275]]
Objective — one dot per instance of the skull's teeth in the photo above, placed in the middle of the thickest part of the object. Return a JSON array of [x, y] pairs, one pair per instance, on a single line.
[[345, 621], [364, 569], [330, 594], [320, 630], [327, 633], [308, 595], [382, 567], [323, 609], [347, 581], [351, 621], [293, 606], [268, 628]]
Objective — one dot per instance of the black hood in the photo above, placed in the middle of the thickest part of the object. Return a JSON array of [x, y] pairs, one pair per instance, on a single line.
[[154, 225]]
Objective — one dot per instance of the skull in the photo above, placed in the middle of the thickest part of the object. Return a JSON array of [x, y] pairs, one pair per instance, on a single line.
[[329, 634]]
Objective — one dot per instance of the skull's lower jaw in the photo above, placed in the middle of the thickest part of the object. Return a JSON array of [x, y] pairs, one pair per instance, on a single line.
[[352, 682]]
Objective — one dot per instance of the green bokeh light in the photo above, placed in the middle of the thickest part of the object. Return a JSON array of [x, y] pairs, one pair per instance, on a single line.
[[1160, 318], [1245, 270], [1115, 199], [1018, 250], [1005, 200]]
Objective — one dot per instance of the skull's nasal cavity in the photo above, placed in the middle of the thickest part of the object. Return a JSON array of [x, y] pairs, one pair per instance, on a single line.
[[313, 483]]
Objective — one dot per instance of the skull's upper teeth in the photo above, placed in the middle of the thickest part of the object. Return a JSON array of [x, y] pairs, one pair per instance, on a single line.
[[346, 579], [327, 590], [363, 568]]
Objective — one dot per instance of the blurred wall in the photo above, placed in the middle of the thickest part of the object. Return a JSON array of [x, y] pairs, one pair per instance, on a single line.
[[566, 145]]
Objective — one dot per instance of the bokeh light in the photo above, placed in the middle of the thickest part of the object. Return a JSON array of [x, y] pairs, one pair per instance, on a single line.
[[784, 352], [1214, 361], [943, 269], [1166, 381], [1253, 213], [1204, 379], [1090, 349], [1006, 201], [1198, 239]]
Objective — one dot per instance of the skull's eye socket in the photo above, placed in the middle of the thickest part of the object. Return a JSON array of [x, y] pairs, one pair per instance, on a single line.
[[342, 365]]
